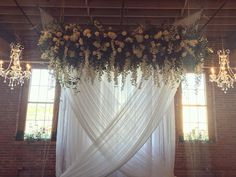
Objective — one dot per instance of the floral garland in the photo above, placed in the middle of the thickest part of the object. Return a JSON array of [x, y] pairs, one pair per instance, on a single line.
[[163, 53]]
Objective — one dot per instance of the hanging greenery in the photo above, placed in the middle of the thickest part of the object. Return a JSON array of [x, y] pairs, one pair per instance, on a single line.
[[164, 53]]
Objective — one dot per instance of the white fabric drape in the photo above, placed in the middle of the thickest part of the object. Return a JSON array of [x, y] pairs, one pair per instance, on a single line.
[[156, 157], [101, 129]]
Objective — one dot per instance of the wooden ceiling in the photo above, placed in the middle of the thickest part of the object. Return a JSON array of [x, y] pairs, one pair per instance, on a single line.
[[115, 13]]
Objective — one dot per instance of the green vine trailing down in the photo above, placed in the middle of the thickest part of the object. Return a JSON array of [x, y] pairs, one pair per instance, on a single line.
[[164, 53]]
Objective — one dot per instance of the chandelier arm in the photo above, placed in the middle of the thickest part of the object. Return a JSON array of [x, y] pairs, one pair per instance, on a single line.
[[10, 63], [230, 70], [218, 76], [29, 61]]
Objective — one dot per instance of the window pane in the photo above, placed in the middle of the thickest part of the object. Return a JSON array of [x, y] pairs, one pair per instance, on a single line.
[[40, 112], [195, 114], [201, 97], [43, 92], [48, 112], [34, 92], [189, 97], [42, 86], [51, 94], [35, 77], [44, 79], [191, 80], [194, 109], [31, 111], [40, 105]]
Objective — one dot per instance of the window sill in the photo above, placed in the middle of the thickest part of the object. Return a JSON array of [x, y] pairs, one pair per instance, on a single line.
[[196, 141], [36, 142], [20, 138]]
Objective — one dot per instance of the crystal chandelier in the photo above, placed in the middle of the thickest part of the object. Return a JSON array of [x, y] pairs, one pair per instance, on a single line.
[[14, 73], [226, 77]]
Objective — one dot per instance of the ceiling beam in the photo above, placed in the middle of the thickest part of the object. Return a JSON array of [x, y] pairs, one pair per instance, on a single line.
[[4, 19], [131, 4], [33, 11]]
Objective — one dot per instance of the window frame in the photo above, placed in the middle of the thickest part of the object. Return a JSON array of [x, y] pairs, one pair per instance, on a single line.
[[24, 93], [210, 95]]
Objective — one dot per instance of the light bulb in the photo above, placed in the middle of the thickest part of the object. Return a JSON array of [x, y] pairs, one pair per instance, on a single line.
[[28, 66], [1, 62], [212, 70]]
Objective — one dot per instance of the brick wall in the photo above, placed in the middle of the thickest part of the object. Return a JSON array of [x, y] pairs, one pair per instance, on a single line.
[[19, 158], [218, 158]]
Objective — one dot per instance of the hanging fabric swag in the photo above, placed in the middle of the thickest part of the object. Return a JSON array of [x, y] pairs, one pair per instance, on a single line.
[[103, 127]]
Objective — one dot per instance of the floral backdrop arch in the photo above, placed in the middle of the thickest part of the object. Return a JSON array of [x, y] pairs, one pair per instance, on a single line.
[[115, 130], [163, 53]]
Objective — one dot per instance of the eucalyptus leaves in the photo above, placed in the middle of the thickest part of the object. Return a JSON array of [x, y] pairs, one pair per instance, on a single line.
[[87, 53]]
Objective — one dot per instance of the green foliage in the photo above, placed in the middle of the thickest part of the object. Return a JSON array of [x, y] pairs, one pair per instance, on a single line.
[[96, 50], [36, 136], [195, 136]]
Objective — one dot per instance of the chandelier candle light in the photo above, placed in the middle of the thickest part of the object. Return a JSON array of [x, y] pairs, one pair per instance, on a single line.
[[226, 77], [14, 72]]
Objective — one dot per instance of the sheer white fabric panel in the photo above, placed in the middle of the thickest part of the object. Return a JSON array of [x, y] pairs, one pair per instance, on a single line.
[[156, 157], [98, 132]]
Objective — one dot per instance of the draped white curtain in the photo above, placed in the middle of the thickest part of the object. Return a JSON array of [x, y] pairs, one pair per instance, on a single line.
[[104, 131]]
